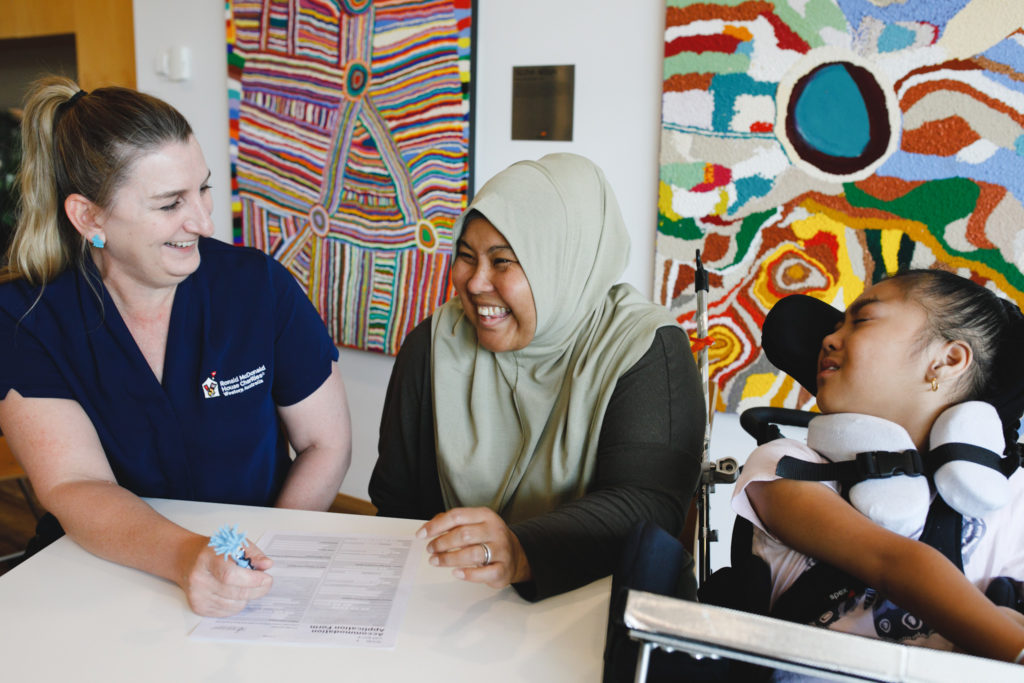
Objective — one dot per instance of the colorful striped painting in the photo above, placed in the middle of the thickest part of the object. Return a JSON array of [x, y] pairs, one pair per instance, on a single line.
[[350, 137], [812, 146]]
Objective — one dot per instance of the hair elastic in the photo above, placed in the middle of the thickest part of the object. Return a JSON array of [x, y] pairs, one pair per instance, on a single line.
[[67, 104]]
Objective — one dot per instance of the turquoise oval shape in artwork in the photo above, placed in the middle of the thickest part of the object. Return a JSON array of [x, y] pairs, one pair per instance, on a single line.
[[895, 37], [831, 115]]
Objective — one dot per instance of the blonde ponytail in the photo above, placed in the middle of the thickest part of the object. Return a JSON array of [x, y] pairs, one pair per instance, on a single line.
[[77, 143], [38, 252]]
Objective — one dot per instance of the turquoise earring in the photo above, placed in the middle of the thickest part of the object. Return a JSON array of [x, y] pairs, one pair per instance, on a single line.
[[97, 241]]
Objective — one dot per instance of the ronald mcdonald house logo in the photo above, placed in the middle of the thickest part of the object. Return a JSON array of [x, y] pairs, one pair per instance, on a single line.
[[213, 387]]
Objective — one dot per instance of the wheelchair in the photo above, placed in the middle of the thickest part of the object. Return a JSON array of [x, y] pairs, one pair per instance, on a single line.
[[663, 626]]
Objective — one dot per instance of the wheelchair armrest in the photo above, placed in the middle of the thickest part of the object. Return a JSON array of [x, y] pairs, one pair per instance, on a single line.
[[762, 423]]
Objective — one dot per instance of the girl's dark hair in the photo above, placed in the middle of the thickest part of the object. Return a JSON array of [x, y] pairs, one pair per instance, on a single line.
[[77, 143], [959, 309]]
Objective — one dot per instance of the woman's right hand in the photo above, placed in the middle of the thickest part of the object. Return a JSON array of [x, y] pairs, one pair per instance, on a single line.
[[57, 445], [217, 587]]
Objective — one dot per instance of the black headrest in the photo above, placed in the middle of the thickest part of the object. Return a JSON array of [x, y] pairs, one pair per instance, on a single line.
[[792, 333]]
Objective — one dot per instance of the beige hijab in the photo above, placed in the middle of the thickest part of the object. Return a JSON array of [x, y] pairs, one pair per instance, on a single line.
[[517, 431]]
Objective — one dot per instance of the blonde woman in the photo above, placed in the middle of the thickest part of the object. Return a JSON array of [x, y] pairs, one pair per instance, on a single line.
[[140, 357]]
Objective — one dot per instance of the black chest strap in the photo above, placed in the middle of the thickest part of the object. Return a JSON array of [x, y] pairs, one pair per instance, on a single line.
[[820, 592], [869, 465], [939, 456], [943, 530], [884, 464]]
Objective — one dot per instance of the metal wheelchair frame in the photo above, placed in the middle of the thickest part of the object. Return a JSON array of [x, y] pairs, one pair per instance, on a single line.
[[657, 621]]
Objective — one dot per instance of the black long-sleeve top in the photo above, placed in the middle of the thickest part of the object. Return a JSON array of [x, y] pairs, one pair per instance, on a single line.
[[648, 462]]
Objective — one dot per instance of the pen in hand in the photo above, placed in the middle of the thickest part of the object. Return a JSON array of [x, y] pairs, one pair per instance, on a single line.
[[228, 542]]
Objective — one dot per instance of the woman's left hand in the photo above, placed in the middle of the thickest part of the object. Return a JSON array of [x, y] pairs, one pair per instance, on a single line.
[[478, 543]]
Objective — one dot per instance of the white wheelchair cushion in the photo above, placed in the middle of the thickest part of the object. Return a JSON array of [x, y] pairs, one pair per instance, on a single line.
[[971, 489], [898, 503]]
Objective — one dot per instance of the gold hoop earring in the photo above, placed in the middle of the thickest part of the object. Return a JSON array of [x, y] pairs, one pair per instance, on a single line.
[[935, 383]]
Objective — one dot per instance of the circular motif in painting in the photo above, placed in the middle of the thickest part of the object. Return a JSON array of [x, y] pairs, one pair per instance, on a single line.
[[356, 79], [426, 236], [835, 116], [319, 221], [356, 6]]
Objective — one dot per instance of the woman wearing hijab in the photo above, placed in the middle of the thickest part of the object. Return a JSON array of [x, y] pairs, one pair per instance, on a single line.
[[540, 414]]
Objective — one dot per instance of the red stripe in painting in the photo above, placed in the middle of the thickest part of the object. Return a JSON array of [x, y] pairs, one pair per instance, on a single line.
[[787, 39], [714, 43]]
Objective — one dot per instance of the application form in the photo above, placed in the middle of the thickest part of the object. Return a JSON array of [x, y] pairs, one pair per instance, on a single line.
[[343, 590]]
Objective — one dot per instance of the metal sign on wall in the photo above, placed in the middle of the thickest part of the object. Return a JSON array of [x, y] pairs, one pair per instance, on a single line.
[[542, 102]]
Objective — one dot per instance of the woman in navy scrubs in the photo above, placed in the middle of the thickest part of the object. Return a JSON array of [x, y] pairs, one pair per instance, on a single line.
[[139, 357]]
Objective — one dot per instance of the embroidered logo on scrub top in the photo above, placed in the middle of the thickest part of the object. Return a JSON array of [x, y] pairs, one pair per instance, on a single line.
[[211, 389], [236, 385]]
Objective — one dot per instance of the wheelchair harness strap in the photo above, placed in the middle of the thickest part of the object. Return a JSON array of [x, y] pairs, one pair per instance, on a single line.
[[870, 465], [949, 452], [884, 464], [823, 593], [819, 594]]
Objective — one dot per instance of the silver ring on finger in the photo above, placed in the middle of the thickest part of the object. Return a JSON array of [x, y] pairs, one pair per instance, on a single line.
[[487, 555]]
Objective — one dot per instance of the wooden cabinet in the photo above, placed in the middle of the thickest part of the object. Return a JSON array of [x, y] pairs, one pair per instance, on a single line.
[[103, 30]]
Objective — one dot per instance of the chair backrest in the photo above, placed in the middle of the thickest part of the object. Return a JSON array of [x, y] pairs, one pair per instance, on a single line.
[[9, 467], [763, 423]]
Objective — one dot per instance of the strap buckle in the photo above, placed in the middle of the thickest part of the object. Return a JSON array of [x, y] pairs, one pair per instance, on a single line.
[[885, 464]]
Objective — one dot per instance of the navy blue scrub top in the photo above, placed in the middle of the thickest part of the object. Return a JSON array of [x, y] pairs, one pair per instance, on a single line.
[[243, 339]]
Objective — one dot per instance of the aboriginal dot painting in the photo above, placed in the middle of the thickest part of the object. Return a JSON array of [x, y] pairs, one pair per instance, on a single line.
[[350, 142], [812, 146]]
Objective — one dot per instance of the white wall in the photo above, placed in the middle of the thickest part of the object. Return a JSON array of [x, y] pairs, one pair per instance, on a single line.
[[617, 50]]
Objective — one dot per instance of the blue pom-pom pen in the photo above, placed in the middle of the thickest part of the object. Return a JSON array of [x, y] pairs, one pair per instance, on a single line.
[[228, 542]]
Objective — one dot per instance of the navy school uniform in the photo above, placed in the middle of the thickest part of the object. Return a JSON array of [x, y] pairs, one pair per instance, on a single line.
[[243, 339]]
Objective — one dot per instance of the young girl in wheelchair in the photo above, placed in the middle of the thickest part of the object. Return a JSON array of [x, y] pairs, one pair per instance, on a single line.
[[924, 373]]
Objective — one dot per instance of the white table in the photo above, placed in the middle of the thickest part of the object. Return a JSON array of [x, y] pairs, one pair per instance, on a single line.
[[66, 615]]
